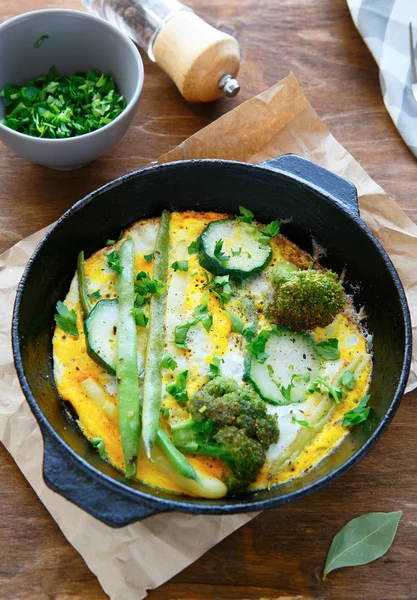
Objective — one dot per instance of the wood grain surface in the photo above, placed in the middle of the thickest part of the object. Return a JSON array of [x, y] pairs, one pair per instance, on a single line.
[[280, 554]]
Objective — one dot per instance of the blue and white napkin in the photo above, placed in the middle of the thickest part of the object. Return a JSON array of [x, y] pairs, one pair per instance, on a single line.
[[384, 25]]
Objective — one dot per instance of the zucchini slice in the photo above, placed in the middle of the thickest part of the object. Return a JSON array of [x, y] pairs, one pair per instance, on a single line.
[[100, 331], [239, 256], [292, 363]]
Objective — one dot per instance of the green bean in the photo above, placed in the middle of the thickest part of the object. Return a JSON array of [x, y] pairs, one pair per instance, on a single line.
[[82, 286], [152, 383], [126, 360], [175, 457]]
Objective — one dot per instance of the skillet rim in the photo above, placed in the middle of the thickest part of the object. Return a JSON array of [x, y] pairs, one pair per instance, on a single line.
[[155, 503]]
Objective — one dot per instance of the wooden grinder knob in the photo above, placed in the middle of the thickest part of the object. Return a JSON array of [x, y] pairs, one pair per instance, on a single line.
[[196, 56]]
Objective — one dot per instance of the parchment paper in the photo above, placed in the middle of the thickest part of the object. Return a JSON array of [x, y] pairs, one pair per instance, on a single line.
[[144, 555]]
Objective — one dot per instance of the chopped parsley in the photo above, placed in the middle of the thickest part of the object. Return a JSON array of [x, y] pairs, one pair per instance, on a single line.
[[164, 412], [140, 318], [301, 422], [95, 294], [215, 367], [271, 229], [141, 300], [202, 313], [358, 414], [181, 332], [178, 389], [41, 40], [245, 216], [194, 247], [329, 349], [347, 379], [257, 346], [168, 362], [237, 323], [249, 331], [180, 265], [220, 287], [149, 285], [99, 446], [113, 261], [55, 106], [110, 242], [285, 391], [218, 252], [237, 252], [66, 319], [148, 257]]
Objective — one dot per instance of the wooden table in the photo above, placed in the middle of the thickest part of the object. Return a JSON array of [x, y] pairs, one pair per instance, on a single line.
[[281, 553]]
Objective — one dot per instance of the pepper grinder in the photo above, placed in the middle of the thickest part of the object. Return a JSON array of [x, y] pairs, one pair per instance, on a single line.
[[202, 61]]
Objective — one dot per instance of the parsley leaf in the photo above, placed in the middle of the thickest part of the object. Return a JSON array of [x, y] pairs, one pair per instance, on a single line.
[[237, 323], [148, 257], [246, 215], [249, 331], [180, 265], [168, 362], [110, 242], [347, 379], [218, 252], [141, 300], [194, 247], [215, 367], [148, 285], [301, 422], [41, 40], [140, 318], [113, 261], [271, 229], [329, 349], [178, 389], [99, 446], [358, 414], [202, 313], [257, 346], [66, 319], [285, 391], [237, 252], [181, 332], [220, 287], [263, 240], [95, 294], [164, 412]]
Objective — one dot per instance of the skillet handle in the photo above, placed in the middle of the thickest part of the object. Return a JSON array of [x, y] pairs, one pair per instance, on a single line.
[[341, 190], [64, 474]]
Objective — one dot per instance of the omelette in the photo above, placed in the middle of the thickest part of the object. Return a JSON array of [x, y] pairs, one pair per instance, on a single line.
[[213, 327]]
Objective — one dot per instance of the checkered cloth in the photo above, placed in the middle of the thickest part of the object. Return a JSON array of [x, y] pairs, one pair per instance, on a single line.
[[384, 25]]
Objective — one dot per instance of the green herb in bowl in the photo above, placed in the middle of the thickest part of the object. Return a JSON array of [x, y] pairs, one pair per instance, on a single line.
[[54, 106]]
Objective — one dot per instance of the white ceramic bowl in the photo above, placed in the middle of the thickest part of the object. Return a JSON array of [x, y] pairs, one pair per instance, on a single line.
[[77, 42]]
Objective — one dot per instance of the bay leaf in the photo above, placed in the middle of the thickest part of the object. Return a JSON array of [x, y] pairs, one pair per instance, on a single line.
[[362, 540]]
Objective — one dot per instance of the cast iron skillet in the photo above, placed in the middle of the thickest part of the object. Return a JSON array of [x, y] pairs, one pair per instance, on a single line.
[[313, 204]]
